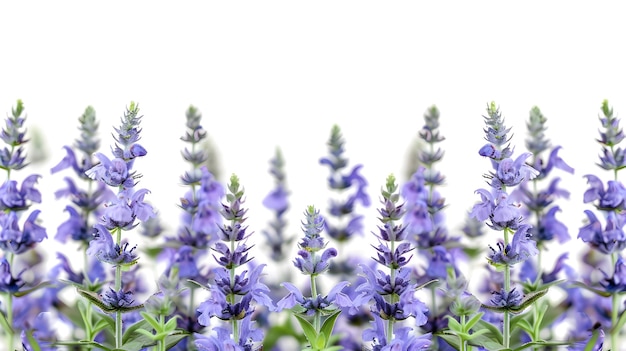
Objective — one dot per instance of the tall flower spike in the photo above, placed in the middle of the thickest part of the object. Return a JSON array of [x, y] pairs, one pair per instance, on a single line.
[[611, 203], [277, 201], [347, 223], [612, 158], [311, 263], [123, 212], [233, 296], [500, 209], [15, 238], [392, 295], [13, 134]]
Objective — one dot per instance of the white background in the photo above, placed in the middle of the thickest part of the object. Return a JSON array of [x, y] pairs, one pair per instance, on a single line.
[[281, 73]]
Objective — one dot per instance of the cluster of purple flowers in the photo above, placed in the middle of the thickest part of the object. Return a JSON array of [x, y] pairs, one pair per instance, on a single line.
[[498, 208], [394, 292], [608, 239], [343, 209], [19, 233], [210, 290], [233, 294]]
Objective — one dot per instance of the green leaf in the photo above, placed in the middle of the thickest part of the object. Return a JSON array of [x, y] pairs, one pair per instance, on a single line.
[[333, 348], [528, 300], [494, 332], [594, 290], [101, 325], [31, 340], [171, 324], [95, 299], [328, 326], [153, 321], [33, 289], [525, 325], [477, 334], [540, 343], [130, 330], [83, 343], [320, 341], [281, 330], [620, 322], [592, 341], [308, 329], [454, 325], [451, 339], [174, 338], [5, 323], [472, 321]]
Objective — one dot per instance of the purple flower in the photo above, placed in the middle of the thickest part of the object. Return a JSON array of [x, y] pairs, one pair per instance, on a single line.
[[512, 173], [519, 250], [549, 227], [69, 161], [122, 212], [74, 227], [499, 209], [187, 267], [15, 200], [112, 172], [506, 299], [105, 250], [276, 200], [317, 303], [612, 198], [8, 283], [16, 240], [310, 264], [378, 282], [231, 259], [528, 271], [13, 135], [244, 284], [397, 258], [555, 161], [617, 282], [608, 240], [249, 339], [117, 299]]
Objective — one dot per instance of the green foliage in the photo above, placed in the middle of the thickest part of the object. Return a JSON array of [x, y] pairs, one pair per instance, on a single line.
[[319, 341]]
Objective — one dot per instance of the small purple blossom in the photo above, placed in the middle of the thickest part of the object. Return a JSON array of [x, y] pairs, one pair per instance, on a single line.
[[14, 199], [510, 299], [317, 303], [607, 240], [512, 172], [519, 250], [117, 299], [617, 282], [112, 172], [16, 240], [609, 199], [105, 250], [499, 209], [9, 283]]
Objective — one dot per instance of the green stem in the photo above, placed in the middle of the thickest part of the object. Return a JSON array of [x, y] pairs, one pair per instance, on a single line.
[[462, 341], [9, 303], [393, 297], [506, 323], [433, 294], [161, 342], [317, 318], [231, 297], [614, 311], [118, 287], [10, 320]]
